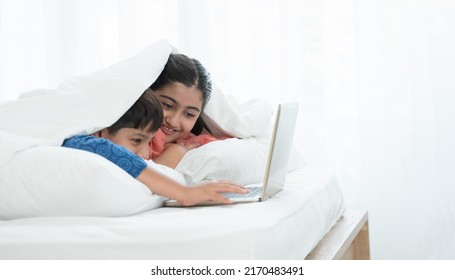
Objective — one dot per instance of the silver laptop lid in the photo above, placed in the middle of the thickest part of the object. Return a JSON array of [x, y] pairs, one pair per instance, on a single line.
[[280, 149]]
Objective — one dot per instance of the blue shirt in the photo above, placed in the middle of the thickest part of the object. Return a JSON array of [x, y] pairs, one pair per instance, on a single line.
[[117, 154]]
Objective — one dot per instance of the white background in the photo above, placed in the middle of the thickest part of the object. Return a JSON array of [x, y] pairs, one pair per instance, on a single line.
[[375, 80]]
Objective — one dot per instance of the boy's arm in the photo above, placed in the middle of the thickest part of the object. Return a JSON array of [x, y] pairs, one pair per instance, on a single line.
[[158, 183], [210, 191]]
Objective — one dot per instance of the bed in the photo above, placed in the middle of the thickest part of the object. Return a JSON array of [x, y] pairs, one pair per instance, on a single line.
[[291, 225], [60, 203]]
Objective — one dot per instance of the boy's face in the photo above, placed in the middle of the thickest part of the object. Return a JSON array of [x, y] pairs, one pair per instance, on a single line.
[[134, 139]]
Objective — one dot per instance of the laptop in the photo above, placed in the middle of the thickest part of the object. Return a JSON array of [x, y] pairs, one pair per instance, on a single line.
[[278, 157]]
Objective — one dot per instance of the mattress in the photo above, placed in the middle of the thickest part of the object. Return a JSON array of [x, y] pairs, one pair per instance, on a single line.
[[287, 226]]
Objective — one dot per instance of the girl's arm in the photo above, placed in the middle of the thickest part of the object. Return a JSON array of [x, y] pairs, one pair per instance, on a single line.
[[209, 191], [172, 154]]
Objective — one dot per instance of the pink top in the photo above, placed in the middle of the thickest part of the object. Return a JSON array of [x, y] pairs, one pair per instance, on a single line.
[[157, 145]]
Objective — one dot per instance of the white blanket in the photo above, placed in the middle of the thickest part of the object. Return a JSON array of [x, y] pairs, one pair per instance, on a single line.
[[36, 180], [80, 105], [88, 103]]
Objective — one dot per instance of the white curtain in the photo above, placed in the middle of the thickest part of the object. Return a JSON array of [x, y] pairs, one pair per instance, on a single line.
[[375, 80]]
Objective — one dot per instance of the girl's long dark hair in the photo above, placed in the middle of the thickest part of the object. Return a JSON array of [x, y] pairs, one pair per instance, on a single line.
[[190, 72]]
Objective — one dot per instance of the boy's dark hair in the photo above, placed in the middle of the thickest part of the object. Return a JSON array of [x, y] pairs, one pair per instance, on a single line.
[[188, 71], [145, 111]]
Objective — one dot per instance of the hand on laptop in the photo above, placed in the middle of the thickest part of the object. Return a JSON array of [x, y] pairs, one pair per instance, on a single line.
[[211, 191]]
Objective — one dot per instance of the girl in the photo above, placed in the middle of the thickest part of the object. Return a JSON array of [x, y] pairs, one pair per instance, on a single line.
[[183, 87]]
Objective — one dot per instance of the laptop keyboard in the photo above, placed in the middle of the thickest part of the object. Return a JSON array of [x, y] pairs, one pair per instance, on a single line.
[[254, 191]]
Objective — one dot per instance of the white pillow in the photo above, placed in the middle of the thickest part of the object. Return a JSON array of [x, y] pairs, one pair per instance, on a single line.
[[235, 118], [239, 160], [170, 172], [57, 181]]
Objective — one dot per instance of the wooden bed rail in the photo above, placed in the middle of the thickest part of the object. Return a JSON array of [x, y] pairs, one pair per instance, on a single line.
[[347, 240]]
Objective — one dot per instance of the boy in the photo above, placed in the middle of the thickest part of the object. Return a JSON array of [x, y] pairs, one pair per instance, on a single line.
[[126, 143]]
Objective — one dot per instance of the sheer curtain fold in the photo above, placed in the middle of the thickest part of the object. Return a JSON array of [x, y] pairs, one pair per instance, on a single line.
[[375, 80]]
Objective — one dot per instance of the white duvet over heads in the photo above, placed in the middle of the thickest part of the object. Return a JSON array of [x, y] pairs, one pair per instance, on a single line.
[[82, 104], [36, 181]]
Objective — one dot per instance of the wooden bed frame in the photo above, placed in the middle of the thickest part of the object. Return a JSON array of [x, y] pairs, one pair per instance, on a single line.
[[347, 240]]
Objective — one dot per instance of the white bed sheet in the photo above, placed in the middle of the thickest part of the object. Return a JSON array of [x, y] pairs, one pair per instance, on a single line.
[[288, 226]]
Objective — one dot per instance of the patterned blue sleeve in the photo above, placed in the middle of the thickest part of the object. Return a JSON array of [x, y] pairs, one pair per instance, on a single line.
[[117, 154]]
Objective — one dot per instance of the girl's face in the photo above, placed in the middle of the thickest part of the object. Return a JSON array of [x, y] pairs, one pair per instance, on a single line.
[[182, 106], [134, 139]]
